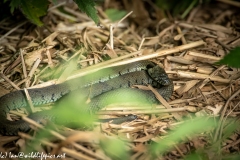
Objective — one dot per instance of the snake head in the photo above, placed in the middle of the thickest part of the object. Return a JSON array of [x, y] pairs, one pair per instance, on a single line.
[[158, 74]]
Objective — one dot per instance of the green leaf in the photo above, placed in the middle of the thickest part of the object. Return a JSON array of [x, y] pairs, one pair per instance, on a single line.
[[55, 2], [14, 4], [189, 128], [87, 6], [165, 4], [178, 6], [115, 14], [232, 59], [115, 148], [34, 9]]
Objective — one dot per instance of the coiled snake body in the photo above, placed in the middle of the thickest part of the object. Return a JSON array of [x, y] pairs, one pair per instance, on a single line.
[[102, 84]]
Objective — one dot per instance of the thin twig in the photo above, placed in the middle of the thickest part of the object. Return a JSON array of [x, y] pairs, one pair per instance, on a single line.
[[12, 30], [219, 128]]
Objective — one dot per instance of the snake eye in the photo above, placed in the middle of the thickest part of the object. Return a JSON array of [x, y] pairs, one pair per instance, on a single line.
[[164, 80]]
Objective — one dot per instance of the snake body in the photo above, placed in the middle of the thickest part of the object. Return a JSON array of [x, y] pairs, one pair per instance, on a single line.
[[108, 82]]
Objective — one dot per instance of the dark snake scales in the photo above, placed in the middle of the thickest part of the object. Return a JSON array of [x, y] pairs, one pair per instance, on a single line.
[[109, 82]]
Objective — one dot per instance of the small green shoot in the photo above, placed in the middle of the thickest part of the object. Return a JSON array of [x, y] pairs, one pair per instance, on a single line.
[[115, 15]]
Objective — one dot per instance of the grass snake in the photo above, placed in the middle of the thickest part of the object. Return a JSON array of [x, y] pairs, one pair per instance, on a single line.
[[108, 82]]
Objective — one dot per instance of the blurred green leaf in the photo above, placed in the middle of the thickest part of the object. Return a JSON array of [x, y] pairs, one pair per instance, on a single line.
[[87, 6], [163, 4], [115, 14], [188, 128], [115, 148], [181, 6], [231, 157], [131, 96], [73, 110], [194, 156], [55, 2], [230, 126], [178, 6], [32, 9], [14, 4], [188, 8], [232, 59], [173, 6]]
